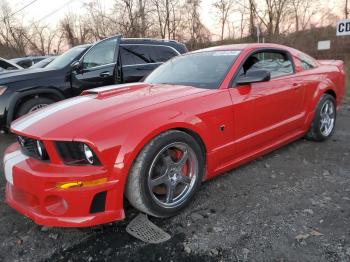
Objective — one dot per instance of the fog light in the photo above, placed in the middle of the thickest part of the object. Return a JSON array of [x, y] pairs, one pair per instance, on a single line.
[[67, 185], [55, 205]]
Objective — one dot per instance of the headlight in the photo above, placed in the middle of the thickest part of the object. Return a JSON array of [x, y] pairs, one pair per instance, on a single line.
[[33, 148], [40, 148], [76, 153], [89, 155], [2, 89]]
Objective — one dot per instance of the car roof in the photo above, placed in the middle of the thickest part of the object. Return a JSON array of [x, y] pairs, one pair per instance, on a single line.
[[180, 47], [245, 46]]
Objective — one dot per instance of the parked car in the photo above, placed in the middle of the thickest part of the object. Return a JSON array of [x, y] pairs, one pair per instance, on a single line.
[[7, 66], [28, 61], [110, 61], [44, 62], [196, 116]]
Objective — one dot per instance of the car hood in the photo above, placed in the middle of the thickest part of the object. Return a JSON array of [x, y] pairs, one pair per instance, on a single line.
[[25, 74], [95, 109]]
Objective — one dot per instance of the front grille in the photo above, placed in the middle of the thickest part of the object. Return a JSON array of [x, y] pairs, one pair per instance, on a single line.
[[29, 148]]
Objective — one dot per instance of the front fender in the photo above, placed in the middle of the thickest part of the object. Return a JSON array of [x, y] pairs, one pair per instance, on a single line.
[[141, 132], [156, 124]]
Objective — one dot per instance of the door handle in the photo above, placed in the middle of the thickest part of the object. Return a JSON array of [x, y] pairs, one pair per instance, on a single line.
[[105, 74], [296, 86]]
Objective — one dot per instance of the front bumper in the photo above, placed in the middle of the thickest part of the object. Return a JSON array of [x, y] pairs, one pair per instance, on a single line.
[[32, 190]]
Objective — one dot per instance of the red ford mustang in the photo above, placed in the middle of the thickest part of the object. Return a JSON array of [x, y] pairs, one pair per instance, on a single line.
[[193, 118]]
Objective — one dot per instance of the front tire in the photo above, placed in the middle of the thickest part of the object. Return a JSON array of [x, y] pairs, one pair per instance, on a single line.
[[323, 124], [166, 174], [33, 104]]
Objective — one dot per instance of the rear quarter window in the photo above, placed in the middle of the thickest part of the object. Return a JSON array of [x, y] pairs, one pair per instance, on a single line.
[[163, 53], [307, 62]]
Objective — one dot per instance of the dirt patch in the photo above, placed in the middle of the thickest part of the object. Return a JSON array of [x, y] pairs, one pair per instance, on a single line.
[[291, 205]]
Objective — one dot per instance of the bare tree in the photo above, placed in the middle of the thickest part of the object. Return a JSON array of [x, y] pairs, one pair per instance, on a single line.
[[223, 8], [41, 39], [75, 30], [272, 15], [12, 31], [252, 11], [99, 21], [142, 17], [303, 11], [168, 17], [198, 33]]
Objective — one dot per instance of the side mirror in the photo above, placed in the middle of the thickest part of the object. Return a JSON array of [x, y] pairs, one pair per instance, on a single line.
[[76, 66], [254, 77]]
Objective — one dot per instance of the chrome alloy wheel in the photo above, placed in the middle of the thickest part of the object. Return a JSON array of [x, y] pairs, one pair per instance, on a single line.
[[37, 107], [327, 118], [172, 174]]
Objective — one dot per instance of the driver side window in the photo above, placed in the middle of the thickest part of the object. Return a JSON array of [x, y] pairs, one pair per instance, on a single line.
[[277, 63], [101, 54]]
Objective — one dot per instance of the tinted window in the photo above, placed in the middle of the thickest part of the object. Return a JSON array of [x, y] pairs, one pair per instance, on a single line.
[[136, 54], [163, 53], [6, 66], [101, 54], [43, 63], [307, 62], [66, 58], [278, 64], [204, 69], [25, 63], [36, 60]]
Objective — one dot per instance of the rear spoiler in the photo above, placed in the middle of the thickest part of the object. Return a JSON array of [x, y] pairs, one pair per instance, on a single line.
[[337, 63]]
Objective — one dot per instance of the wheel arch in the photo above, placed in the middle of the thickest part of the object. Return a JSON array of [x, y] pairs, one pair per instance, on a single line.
[[22, 96], [128, 156], [322, 89], [184, 127], [331, 92]]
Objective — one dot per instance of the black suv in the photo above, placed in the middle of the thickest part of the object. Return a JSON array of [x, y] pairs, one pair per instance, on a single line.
[[113, 60]]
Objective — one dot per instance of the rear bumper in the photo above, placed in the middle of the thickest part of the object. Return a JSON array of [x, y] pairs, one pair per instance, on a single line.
[[32, 190]]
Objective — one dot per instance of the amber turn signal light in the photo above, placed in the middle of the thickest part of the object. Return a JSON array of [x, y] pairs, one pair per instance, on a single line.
[[74, 184]]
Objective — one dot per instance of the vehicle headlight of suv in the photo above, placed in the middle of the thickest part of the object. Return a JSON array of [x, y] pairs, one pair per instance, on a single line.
[[2, 89], [76, 153]]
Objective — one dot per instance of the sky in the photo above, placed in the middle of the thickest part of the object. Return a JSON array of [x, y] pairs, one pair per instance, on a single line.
[[40, 9], [45, 10]]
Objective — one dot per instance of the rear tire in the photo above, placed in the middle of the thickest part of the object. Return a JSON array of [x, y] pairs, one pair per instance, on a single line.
[[323, 124], [166, 174], [33, 104]]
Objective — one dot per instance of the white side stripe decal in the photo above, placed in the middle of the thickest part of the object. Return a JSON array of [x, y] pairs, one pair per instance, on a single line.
[[10, 161], [28, 121]]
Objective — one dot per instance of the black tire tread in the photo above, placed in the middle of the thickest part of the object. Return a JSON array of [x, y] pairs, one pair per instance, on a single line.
[[25, 107], [133, 188], [313, 133]]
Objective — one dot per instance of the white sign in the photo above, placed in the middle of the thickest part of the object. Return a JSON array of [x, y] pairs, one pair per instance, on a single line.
[[343, 27], [324, 45]]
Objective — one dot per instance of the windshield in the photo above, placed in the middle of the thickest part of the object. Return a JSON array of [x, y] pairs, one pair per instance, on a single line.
[[203, 70], [66, 58], [43, 63]]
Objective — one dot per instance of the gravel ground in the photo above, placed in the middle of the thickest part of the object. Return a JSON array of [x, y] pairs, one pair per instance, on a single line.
[[291, 205]]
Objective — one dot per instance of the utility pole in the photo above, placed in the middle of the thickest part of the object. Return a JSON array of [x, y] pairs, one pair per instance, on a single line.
[[258, 33], [346, 9]]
